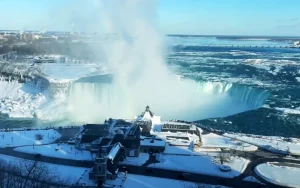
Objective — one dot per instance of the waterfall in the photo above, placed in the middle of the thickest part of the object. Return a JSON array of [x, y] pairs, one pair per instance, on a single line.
[[94, 102], [253, 97]]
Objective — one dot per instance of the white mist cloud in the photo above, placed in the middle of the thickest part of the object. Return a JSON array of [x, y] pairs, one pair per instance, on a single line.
[[141, 74]]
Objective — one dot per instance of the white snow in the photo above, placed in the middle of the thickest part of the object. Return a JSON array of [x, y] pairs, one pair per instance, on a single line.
[[113, 152], [272, 66], [23, 138], [212, 140], [205, 150], [178, 141], [280, 175], [201, 165], [36, 98], [20, 100], [63, 151], [69, 173], [138, 181], [289, 110], [298, 79], [68, 72], [138, 161], [147, 115], [85, 179], [251, 179], [175, 138], [157, 142], [272, 143], [178, 150]]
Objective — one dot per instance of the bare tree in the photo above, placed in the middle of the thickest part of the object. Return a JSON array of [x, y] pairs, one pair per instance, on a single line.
[[39, 136], [28, 174], [8, 180], [223, 157]]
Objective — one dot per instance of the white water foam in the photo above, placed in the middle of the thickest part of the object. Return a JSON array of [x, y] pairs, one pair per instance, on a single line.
[[198, 100]]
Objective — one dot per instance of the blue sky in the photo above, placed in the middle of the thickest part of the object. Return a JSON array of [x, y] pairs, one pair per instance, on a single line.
[[210, 17]]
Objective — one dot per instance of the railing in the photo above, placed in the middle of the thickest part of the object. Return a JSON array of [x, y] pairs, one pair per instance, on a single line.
[[246, 46], [36, 128]]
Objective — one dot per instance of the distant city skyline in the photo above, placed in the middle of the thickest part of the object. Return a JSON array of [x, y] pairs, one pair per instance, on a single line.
[[189, 17]]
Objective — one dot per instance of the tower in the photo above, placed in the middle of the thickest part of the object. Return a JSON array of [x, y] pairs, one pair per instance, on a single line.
[[147, 109], [100, 168]]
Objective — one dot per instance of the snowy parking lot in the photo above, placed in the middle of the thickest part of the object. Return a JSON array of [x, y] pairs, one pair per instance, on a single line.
[[64, 151], [31, 137]]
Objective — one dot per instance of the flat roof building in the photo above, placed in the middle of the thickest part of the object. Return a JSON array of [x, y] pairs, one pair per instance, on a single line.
[[173, 126]]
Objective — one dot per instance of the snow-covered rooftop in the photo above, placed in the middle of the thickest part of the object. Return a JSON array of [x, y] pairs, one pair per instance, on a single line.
[[114, 150], [178, 126], [156, 142]]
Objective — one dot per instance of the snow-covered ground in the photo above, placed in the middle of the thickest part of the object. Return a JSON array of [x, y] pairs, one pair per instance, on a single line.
[[272, 66], [251, 179], [178, 150], [280, 175], [272, 143], [23, 138], [20, 100], [64, 151], [289, 110], [201, 165], [44, 96], [138, 161], [70, 174], [67, 72], [137, 181], [212, 140]]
